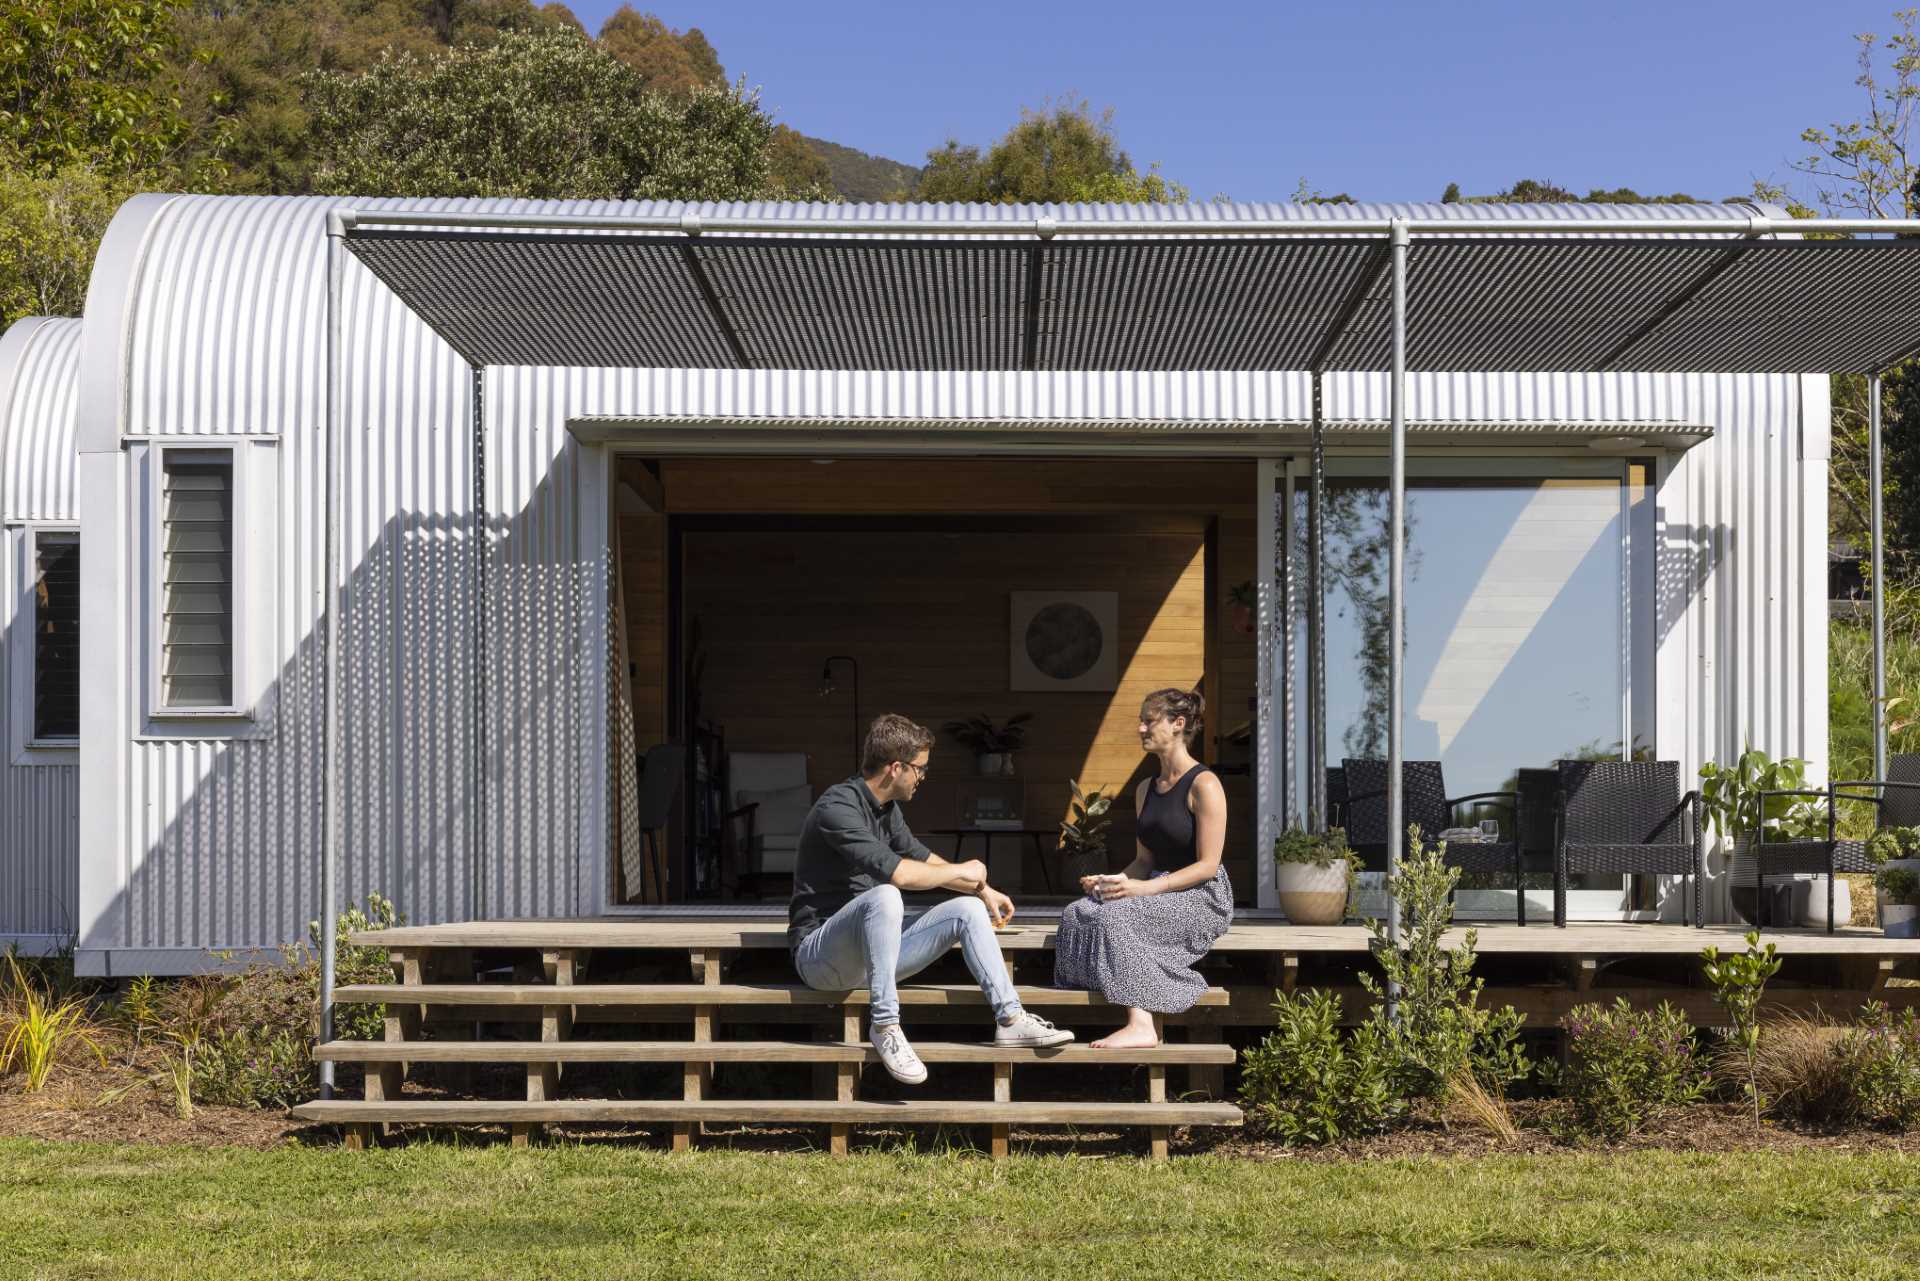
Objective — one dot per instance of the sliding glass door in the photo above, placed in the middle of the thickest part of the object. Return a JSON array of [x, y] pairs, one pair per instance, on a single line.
[[1529, 617]]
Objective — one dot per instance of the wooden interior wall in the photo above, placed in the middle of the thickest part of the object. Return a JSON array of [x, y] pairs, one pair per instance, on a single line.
[[929, 622], [643, 583]]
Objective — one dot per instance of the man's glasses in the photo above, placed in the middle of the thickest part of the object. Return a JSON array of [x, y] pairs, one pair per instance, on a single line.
[[920, 771]]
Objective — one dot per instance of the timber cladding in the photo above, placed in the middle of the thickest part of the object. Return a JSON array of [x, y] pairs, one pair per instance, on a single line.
[[907, 565]]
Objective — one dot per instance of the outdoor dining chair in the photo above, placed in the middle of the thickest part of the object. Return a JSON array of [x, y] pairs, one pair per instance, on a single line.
[[1426, 805], [1625, 817]]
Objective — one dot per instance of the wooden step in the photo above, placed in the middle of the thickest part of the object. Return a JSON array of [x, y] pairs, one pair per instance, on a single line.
[[685, 994], [791, 1111], [746, 1052]]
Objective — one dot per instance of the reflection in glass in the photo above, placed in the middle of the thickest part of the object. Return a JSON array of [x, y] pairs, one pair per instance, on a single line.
[[1523, 645]]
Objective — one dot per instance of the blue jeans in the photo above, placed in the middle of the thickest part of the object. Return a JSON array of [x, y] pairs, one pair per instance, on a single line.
[[872, 942]]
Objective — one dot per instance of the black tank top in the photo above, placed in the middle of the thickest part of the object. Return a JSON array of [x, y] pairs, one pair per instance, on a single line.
[[1166, 825]]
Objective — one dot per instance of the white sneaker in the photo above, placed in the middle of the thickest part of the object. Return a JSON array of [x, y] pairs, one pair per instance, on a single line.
[[1029, 1029], [890, 1043]]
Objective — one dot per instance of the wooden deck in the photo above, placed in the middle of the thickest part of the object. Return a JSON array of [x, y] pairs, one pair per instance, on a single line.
[[531, 995], [757, 932]]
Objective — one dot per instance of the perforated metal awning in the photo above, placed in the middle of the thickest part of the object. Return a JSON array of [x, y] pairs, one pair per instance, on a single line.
[[1194, 302]]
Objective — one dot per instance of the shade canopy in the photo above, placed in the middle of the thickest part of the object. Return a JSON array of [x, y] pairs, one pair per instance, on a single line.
[[1283, 302]]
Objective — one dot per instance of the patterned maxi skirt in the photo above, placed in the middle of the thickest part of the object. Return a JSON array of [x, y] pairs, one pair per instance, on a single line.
[[1141, 951]]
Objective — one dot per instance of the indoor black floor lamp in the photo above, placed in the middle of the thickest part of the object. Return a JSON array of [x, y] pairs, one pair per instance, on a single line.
[[827, 687]]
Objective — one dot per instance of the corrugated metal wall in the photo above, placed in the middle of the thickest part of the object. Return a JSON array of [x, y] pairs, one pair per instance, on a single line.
[[225, 339], [39, 789]]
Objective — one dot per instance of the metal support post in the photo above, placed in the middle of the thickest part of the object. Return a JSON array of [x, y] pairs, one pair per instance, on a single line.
[[330, 721], [1877, 543], [1317, 621], [1396, 589]]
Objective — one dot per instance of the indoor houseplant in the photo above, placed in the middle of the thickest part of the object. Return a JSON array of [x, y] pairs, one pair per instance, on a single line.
[[992, 745], [1246, 604], [1312, 873], [1732, 796], [1083, 836], [1899, 902]]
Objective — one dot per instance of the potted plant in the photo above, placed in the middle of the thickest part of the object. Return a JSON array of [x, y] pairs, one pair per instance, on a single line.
[[1731, 795], [1246, 604], [1313, 874], [1895, 853], [992, 745], [1083, 836], [1899, 902]]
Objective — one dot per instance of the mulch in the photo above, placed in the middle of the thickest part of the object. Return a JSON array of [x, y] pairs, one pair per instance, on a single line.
[[84, 1102]]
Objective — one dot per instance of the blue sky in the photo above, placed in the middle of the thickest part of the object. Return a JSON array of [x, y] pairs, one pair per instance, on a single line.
[[1384, 100]]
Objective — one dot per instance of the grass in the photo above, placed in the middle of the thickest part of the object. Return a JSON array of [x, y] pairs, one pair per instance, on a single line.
[[440, 1211]]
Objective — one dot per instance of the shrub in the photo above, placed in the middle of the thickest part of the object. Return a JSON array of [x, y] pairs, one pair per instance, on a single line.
[[1306, 1083], [1442, 1030], [1894, 842], [1296, 845], [1881, 1061], [36, 1028], [1739, 982], [254, 1069], [1799, 1069], [1626, 1066], [246, 1039]]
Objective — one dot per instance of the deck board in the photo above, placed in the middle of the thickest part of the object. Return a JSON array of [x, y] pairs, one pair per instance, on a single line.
[[749, 1052], [683, 994], [768, 1111], [1257, 936]]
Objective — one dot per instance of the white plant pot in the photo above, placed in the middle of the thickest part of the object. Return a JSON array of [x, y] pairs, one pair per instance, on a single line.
[[1810, 902], [1310, 894], [1900, 920]]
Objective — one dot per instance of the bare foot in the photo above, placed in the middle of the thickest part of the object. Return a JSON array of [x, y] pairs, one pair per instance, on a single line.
[[1130, 1037]]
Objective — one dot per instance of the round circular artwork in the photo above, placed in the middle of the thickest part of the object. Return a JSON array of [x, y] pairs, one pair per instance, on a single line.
[[1064, 640]]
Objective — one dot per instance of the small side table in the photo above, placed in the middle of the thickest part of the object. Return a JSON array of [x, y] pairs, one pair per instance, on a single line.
[[1038, 835]]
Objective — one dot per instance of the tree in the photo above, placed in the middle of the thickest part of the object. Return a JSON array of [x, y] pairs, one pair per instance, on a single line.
[[1871, 167], [50, 228], [237, 65], [796, 170], [1537, 191], [538, 115], [670, 61], [1053, 155], [79, 82]]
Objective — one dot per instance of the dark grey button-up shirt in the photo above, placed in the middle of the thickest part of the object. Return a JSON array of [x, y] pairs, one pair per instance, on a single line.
[[849, 844]]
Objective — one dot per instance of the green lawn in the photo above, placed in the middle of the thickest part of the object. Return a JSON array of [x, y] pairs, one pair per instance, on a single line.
[[439, 1211]]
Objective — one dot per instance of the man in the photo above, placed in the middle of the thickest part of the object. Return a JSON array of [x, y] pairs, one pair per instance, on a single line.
[[848, 927]]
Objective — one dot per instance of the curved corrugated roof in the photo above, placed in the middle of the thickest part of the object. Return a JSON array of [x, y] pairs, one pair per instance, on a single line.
[[39, 391]]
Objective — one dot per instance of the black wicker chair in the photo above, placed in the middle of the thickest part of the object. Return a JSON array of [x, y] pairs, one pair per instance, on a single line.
[[1426, 805], [1895, 798], [1896, 802], [1827, 857], [1626, 817]]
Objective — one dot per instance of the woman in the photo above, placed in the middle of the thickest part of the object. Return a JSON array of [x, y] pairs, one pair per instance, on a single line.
[[1137, 935]]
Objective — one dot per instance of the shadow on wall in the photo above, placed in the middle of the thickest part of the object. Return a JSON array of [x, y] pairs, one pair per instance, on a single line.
[[436, 706]]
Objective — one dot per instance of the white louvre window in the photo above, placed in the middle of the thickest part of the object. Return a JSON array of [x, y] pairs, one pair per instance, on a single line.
[[197, 579], [56, 637]]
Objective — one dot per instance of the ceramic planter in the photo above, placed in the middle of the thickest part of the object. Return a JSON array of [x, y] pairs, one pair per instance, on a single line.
[[1900, 920], [1310, 894], [994, 764], [1810, 902]]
